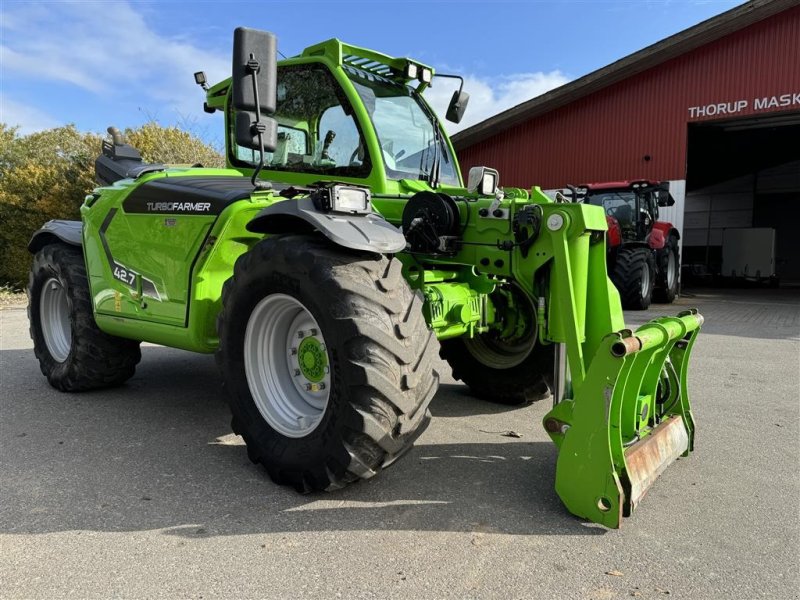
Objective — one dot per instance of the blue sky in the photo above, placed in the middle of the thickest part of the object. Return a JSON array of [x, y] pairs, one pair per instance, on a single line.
[[95, 63]]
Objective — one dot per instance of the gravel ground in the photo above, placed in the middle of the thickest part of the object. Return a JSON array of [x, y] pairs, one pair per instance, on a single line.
[[142, 491]]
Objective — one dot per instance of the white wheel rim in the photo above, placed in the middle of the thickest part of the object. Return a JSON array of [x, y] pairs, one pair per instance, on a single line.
[[289, 389], [54, 319]]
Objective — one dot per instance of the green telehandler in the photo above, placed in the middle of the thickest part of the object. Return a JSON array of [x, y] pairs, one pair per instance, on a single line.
[[331, 264]]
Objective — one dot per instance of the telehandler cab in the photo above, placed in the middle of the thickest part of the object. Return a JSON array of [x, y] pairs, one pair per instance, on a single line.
[[332, 263]]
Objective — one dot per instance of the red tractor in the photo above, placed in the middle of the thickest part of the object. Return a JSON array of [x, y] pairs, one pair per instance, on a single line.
[[643, 254]]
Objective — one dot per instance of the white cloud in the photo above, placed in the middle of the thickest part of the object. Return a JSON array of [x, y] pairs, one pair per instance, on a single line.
[[487, 97], [112, 51], [27, 118], [109, 50]]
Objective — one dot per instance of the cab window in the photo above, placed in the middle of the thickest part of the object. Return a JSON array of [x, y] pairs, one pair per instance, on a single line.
[[317, 131]]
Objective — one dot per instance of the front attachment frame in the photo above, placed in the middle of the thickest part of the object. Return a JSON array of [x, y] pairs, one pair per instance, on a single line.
[[628, 421]]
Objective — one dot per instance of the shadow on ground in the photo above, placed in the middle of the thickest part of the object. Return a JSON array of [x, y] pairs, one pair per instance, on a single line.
[[157, 453]]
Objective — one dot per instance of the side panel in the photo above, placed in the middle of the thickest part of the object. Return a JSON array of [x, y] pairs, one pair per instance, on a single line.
[[160, 249], [213, 265]]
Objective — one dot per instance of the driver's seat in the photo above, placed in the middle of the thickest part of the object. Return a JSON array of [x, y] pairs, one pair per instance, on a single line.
[[623, 213]]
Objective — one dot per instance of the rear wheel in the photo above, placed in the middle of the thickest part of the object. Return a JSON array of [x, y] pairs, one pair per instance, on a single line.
[[668, 260], [73, 353], [327, 360], [634, 275]]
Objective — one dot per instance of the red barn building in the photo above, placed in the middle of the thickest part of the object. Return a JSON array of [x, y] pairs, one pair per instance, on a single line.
[[714, 109]]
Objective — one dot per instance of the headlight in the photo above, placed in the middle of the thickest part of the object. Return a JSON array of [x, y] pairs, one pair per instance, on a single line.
[[342, 199], [352, 200]]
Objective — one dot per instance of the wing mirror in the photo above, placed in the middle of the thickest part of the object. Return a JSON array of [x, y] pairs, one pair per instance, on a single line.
[[665, 198], [254, 82], [458, 103], [458, 106]]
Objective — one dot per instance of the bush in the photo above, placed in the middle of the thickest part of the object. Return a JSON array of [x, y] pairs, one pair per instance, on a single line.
[[46, 175]]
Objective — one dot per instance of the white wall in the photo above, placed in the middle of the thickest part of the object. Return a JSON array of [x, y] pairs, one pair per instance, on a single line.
[[710, 210], [730, 204]]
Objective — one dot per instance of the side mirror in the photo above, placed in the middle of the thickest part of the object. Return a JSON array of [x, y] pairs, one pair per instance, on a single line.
[[483, 180], [458, 106], [665, 198], [254, 82]]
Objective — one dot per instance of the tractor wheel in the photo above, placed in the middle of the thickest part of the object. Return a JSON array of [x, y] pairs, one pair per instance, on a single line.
[[497, 372], [669, 264], [327, 361], [511, 371], [73, 353], [634, 275]]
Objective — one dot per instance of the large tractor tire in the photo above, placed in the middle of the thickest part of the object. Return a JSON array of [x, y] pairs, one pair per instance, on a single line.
[[634, 276], [327, 361], [498, 372], [669, 264], [73, 353], [513, 370]]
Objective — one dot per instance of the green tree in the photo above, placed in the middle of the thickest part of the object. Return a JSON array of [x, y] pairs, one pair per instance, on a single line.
[[47, 174], [170, 145]]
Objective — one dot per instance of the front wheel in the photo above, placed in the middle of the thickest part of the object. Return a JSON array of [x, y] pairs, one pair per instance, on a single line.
[[513, 369], [327, 360], [495, 372], [668, 261], [634, 276]]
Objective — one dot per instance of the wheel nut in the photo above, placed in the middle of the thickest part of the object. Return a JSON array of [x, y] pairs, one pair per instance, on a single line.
[[297, 372], [293, 351]]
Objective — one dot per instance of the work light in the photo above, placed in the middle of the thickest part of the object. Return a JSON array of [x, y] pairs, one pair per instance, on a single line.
[[343, 199]]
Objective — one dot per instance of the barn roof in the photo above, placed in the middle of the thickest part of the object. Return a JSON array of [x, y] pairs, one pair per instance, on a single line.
[[676, 45]]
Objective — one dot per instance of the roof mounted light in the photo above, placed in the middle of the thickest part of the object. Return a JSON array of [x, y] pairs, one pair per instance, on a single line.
[[410, 71], [426, 75], [201, 80]]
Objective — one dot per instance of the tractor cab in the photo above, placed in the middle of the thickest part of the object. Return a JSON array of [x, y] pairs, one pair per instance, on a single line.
[[631, 207], [353, 115]]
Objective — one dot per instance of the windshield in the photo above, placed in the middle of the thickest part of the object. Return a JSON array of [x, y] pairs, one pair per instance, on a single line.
[[620, 205], [404, 128]]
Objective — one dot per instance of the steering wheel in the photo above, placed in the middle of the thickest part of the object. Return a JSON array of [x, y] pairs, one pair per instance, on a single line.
[[358, 153]]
